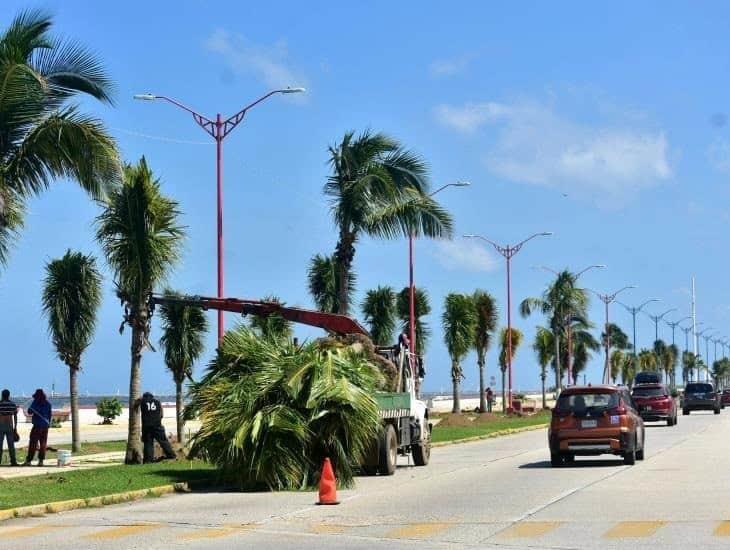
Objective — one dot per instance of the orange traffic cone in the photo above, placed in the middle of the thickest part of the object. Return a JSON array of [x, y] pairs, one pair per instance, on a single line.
[[327, 484]]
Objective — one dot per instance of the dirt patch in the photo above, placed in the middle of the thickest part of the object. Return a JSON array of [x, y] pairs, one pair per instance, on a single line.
[[456, 420], [486, 418]]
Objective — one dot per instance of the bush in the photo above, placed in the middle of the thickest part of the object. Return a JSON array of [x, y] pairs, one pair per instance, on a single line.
[[55, 423], [108, 409], [272, 411]]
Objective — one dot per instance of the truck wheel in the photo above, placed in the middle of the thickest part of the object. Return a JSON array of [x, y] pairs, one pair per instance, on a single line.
[[388, 451], [421, 453]]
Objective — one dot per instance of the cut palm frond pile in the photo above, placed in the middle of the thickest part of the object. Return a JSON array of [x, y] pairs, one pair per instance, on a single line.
[[271, 411]]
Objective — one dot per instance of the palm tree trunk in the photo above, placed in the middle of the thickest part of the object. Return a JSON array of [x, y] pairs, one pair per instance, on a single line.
[[344, 255], [482, 396], [179, 412], [504, 395], [544, 397], [134, 434], [456, 408], [73, 390], [558, 374]]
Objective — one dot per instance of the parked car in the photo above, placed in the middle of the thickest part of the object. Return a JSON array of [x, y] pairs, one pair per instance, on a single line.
[[725, 397], [655, 402], [700, 396], [595, 420], [647, 377]]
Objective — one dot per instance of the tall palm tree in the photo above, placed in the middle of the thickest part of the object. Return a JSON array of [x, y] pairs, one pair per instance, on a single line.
[[322, 283], [689, 364], [628, 370], [183, 340], [379, 311], [71, 299], [377, 188], [486, 309], [668, 361], [583, 344], [422, 308], [544, 350], [273, 326], [141, 237], [503, 347], [618, 338], [42, 135], [616, 362], [647, 360], [459, 320]]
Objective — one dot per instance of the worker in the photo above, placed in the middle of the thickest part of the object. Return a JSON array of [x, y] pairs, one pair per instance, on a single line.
[[40, 413], [8, 426], [490, 397], [152, 428]]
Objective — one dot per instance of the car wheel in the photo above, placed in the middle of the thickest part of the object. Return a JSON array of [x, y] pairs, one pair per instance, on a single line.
[[556, 460], [640, 453], [670, 421], [685, 412], [630, 456], [717, 410]]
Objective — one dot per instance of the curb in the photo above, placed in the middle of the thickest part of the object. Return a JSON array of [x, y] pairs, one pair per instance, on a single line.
[[93, 502], [498, 433]]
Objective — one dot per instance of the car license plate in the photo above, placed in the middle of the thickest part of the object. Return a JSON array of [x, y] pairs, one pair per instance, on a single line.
[[588, 423], [647, 408]]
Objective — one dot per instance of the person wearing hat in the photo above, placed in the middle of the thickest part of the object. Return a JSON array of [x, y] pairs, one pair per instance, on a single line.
[[8, 426], [40, 413], [152, 428]]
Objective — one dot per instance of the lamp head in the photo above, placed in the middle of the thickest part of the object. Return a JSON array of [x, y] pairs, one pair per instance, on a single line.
[[145, 97], [293, 90]]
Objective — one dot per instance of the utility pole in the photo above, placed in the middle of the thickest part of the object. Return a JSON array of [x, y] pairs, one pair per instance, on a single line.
[[607, 299]]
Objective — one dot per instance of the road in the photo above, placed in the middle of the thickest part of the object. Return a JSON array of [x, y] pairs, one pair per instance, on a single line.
[[498, 493]]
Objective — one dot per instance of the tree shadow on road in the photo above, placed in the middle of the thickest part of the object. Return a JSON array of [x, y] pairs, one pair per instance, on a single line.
[[592, 463]]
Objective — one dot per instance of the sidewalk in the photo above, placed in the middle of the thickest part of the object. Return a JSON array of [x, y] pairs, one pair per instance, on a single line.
[[85, 462]]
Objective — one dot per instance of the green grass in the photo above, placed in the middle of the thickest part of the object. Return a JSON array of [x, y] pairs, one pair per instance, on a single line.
[[99, 482], [454, 433], [87, 448]]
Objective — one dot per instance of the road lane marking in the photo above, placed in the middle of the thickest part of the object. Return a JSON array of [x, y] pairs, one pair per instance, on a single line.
[[19, 532], [722, 530], [216, 532], [417, 530], [529, 529], [633, 529], [123, 531]]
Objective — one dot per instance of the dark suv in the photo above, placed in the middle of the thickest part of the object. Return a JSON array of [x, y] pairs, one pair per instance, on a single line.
[[700, 396]]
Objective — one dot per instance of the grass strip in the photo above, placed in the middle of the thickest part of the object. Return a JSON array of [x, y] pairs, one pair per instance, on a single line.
[[83, 484], [455, 433]]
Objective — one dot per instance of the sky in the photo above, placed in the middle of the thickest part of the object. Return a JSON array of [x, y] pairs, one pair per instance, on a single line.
[[605, 125]]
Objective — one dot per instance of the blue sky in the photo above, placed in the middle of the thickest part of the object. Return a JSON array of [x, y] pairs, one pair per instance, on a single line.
[[608, 127]]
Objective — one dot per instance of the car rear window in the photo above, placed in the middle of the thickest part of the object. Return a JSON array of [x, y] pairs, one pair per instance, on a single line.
[[648, 392], [584, 401], [698, 388]]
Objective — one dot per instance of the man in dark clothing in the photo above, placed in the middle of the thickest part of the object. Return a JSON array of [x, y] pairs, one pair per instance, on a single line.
[[40, 412], [490, 398], [152, 429], [8, 426]]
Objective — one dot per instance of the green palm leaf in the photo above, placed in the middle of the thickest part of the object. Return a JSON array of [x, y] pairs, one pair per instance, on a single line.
[[379, 310]]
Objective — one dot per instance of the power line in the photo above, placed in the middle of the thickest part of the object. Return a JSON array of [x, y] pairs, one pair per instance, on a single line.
[[162, 138]]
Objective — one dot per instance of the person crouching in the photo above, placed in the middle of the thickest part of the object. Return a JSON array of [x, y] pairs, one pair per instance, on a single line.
[[152, 429]]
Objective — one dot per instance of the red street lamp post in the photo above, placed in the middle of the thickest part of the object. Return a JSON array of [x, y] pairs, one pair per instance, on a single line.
[[508, 251], [218, 129]]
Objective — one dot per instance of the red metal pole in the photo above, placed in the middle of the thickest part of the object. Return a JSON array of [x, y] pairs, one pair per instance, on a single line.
[[570, 354], [509, 333], [411, 302], [607, 369], [219, 237]]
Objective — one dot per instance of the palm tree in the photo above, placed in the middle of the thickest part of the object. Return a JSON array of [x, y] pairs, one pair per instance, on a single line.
[[616, 363], [628, 370], [544, 350], [668, 361], [486, 309], [273, 326], [378, 308], [618, 338], [379, 189], [503, 347], [71, 299], [142, 239], [322, 283], [689, 364], [583, 344], [422, 308], [459, 321], [42, 136], [647, 360], [183, 339]]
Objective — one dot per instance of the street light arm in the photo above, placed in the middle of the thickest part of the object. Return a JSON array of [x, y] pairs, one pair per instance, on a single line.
[[231, 122], [588, 269], [677, 323], [521, 243], [650, 300], [203, 121], [454, 184], [501, 249]]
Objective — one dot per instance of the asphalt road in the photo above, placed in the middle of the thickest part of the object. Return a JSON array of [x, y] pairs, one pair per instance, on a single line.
[[499, 493]]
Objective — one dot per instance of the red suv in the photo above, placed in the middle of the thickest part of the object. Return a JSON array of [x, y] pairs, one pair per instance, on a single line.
[[655, 402], [725, 397]]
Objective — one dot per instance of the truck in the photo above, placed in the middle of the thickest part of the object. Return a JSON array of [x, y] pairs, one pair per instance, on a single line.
[[405, 428]]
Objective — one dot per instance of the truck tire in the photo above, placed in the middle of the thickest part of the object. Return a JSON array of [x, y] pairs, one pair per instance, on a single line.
[[422, 452], [388, 451]]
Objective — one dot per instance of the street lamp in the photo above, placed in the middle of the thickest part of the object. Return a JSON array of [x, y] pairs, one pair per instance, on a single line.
[[567, 320], [674, 325], [508, 251], [218, 129], [656, 319], [607, 299], [411, 284], [634, 311], [707, 355]]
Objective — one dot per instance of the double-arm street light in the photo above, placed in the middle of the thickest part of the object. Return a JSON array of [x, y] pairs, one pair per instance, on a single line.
[[607, 299], [633, 311], [568, 319], [508, 251], [218, 129], [675, 324], [701, 334], [656, 319], [411, 283]]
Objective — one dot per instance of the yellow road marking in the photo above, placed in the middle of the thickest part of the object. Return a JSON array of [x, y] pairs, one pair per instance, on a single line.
[[528, 529], [417, 530], [18, 532], [216, 532], [123, 531], [328, 529], [633, 529], [722, 530]]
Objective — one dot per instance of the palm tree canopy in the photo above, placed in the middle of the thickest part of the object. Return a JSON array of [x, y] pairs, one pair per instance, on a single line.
[[544, 348], [647, 360], [183, 340], [71, 299], [619, 339], [272, 326], [486, 310], [583, 344], [561, 301], [504, 345], [42, 135], [379, 311], [422, 309], [322, 283], [459, 320], [616, 362], [139, 233]]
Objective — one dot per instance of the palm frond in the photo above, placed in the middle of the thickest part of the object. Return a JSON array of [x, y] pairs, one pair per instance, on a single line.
[[422, 309], [504, 345], [183, 336], [273, 326], [486, 309], [459, 321], [379, 310], [323, 285]]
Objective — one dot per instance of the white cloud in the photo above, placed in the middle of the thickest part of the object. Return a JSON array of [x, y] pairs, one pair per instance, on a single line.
[[719, 155], [449, 67], [464, 255], [536, 145], [270, 64]]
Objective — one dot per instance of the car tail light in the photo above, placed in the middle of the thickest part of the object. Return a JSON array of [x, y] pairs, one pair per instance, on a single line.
[[621, 409]]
